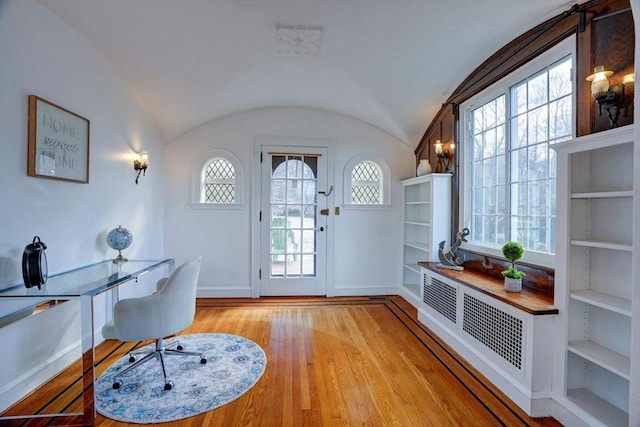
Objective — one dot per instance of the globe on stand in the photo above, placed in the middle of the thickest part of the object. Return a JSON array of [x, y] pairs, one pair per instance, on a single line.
[[119, 239]]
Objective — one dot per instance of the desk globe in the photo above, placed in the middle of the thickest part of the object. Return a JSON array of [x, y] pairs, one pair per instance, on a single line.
[[119, 239]]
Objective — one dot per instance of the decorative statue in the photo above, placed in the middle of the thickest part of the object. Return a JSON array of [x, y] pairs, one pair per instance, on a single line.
[[449, 258]]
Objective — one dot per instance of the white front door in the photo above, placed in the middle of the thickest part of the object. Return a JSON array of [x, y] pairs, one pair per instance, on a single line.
[[292, 227]]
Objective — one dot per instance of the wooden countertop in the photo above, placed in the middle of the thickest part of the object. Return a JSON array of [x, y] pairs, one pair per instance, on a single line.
[[529, 300]]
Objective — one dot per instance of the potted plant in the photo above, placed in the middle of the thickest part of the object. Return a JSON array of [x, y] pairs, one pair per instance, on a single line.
[[513, 251]]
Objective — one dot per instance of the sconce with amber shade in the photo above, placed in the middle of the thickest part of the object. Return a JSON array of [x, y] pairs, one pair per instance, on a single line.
[[444, 156], [605, 94], [140, 164]]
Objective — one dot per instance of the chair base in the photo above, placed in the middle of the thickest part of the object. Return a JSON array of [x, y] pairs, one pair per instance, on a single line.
[[158, 353]]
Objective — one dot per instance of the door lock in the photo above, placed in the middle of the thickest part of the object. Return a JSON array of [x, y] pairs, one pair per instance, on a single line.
[[324, 212]]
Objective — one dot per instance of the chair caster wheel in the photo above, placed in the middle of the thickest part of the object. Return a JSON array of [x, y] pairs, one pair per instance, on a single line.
[[203, 360], [132, 359], [117, 384], [168, 385]]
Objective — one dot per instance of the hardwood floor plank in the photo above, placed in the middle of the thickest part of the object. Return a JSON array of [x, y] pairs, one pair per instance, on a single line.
[[331, 361]]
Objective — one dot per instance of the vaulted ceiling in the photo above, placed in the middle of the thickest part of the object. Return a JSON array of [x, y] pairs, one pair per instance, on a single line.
[[390, 63]]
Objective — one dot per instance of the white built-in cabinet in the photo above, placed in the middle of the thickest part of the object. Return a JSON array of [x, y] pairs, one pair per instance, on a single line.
[[427, 222], [596, 278]]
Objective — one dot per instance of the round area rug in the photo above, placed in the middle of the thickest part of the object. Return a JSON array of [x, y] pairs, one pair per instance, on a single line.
[[234, 365]]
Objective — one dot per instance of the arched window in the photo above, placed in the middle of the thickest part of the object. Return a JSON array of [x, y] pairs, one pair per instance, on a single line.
[[366, 182], [217, 181]]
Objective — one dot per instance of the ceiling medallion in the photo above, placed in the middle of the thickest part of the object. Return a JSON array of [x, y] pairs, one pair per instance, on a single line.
[[297, 39]]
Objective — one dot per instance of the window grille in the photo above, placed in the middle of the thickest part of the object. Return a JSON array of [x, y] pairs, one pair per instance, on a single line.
[[219, 182], [366, 184]]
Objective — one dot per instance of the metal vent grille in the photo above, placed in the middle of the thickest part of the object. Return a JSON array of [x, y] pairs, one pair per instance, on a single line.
[[440, 296], [499, 331]]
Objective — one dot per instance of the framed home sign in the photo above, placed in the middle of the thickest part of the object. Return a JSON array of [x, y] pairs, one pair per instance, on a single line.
[[58, 142]]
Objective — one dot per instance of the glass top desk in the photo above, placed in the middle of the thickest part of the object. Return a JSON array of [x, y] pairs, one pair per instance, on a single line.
[[84, 284]]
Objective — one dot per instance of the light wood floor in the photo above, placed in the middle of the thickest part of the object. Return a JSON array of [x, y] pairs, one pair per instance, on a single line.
[[330, 362]]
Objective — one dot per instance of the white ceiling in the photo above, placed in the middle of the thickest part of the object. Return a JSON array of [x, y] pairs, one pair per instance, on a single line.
[[391, 63]]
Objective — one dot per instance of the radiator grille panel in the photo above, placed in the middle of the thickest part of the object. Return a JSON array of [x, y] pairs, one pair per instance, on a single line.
[[499, 331], [440, 296]]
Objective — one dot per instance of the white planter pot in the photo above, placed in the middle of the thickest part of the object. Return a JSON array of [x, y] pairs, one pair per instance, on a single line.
[[512, 285]]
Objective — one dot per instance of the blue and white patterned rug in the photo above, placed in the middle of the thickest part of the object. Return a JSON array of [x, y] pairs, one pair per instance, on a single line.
[[234, 365]]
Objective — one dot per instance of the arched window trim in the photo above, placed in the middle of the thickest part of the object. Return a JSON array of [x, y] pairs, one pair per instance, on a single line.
[[200, 164], [385, 185]]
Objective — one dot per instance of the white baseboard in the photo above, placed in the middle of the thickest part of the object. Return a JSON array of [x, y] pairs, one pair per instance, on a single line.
[[508, 385], [358, 292], [223, 292], [45, 370], [335, 292], [409, 296], [566, 412]]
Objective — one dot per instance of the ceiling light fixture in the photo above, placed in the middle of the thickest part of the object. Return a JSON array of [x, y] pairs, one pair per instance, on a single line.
[[297, 39]]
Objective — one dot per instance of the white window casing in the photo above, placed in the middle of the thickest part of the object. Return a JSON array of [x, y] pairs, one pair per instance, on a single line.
[[366, 183]]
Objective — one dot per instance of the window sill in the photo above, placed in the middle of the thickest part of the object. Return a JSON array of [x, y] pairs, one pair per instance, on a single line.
[[367, 207], [531, 258], [217, 206]]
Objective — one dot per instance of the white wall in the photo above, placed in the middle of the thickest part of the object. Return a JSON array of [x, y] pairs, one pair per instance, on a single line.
[[40, 55], [366, 254]]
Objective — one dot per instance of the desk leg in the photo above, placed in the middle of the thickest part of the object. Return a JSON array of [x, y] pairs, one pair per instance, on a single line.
[[88, 359]]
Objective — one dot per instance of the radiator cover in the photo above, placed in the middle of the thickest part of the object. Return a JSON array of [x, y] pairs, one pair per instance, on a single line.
[[497, 330], [441, 297]]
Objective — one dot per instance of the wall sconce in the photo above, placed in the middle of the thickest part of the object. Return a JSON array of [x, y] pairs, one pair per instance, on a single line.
[[444, 156], [611, 96], [140, 164]]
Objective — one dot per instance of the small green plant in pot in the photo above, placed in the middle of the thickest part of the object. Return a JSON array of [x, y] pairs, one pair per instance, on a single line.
[[513, 251]]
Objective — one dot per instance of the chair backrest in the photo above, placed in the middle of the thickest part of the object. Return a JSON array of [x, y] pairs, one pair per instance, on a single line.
[[177, 297]]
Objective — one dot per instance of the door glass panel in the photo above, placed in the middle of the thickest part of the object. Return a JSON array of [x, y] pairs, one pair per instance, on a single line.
[[293, 198]]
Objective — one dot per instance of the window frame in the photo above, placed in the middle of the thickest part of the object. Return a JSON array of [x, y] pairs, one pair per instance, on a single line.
[[198, 168], [503, 87], [385, 184]]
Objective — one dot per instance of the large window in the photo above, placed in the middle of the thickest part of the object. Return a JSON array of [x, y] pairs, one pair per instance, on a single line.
[[510, 182]]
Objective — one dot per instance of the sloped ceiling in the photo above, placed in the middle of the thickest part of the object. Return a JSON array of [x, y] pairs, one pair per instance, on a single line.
[[390, 63]]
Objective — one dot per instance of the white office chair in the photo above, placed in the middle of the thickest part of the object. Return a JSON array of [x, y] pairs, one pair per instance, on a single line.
[[168, 311]]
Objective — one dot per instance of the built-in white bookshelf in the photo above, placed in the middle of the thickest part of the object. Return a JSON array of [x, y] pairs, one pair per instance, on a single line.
[[427, 222], [596, 275]]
